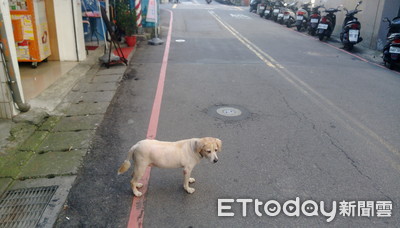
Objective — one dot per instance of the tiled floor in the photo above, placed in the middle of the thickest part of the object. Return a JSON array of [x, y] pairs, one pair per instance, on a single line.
[[35, 81]]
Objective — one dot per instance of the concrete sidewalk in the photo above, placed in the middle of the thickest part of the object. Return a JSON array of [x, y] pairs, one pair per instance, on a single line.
[[46, 145]]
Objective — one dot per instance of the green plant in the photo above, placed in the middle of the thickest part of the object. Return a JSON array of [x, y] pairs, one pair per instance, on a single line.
[[125, 17]]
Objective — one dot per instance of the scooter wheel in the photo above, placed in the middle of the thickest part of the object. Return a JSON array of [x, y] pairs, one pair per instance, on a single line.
[[298, 27], [389, 65], [350, 47], [321, 37]]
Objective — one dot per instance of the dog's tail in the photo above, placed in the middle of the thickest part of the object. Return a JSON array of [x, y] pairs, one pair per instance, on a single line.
[[127, 164]]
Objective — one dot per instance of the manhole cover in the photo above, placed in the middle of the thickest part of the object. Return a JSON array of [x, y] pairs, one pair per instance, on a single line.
[[228, 112], [24, 207]]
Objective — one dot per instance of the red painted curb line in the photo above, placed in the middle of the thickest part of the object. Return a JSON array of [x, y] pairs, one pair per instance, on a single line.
[[137, 211]]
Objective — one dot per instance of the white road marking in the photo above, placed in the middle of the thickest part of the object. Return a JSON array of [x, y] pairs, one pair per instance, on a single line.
[[240, 16]]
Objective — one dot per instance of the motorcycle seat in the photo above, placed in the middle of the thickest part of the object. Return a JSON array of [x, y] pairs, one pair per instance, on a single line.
[[396, 20], [394, 36], [354, 21], [395, 26], [331, 10]]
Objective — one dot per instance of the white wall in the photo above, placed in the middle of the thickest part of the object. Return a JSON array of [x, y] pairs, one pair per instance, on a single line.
[[7, 109], [65, 30]]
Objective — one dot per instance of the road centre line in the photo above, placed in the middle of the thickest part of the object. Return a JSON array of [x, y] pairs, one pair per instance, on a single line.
[[241, 39], [137, 210], [308, 91]]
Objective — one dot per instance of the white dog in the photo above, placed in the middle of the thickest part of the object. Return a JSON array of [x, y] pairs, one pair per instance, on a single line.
[[181, 154]]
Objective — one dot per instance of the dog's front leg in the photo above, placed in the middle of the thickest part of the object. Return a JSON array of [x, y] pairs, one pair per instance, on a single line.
[[186, 173]]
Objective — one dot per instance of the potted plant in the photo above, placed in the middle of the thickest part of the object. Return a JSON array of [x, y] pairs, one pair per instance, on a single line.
[[126, 21]]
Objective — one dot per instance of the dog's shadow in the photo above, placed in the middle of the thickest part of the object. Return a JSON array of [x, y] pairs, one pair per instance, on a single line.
[[167, 185]]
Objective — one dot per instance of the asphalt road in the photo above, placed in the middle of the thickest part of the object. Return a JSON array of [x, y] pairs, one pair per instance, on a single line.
[[316, 123]]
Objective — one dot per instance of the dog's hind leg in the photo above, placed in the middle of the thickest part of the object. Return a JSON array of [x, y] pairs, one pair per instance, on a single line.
[[187, 180], [138, 172]]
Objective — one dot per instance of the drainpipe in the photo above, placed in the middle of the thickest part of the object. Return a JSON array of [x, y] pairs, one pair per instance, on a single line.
[[73, 21], [12, 83], [7, 60]]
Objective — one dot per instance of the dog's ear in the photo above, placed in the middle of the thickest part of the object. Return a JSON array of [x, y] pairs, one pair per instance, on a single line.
[[219, 144], [199, 144]]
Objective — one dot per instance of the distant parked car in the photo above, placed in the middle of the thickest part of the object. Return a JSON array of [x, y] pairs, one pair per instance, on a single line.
[[253, 5]]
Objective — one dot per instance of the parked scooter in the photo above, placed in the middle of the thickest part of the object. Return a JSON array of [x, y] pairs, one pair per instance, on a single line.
[[282, 9], [289, 14], [268, 9], [302, 16], [327, 23], [276, 9], [350, 34], [391, 51], [262, 7], [253, 5], [314, 20]]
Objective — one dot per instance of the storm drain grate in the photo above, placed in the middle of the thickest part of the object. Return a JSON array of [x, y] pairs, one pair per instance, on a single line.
[[24, 207]]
